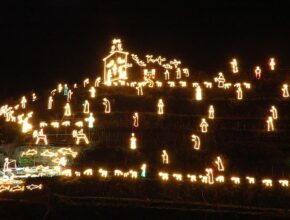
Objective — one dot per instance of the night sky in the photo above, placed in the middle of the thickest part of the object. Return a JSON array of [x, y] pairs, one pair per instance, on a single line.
[[44, 42]]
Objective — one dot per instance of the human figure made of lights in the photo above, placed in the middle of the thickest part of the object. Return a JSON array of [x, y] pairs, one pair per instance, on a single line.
[[135, 119], [86, 106], [107, 105], [203, 125], [285, 91], [258, 72], [133, 142], [196, 142], [90, 120], [7, 170], [274, 112], [211, 112], [270, 124], [160, 106], [50, 101], [165, 157], [220, 80]]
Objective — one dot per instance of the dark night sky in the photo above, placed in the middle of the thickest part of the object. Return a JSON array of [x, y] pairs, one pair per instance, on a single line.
[[43, 42]]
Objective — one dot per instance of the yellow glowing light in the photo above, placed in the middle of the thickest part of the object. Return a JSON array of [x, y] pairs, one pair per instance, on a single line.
[[247, 85], [211, 112], [207, 84], [97, 81], [23, 102], [234, 64], [160, 106], [178, 73], [77, 173], [236, 180], [251, 180], [220, 80], [34, 187], [66, 172], [79, 124], [165, 157], [258, 72], [107, 105], [267, 182], [284, 183], [103, 173], [69, 95], [167, 74], [274, 112], [48, 153], [40, 136], [270, 124], [133, 142], [88, 172], [29, 152], [196, 142], [86, 107], [136, 119], [203, 125], [65, 123], [79, 135], [159, 84], [227, 85], [86, 82], [183, 83], [92, 92], [26, 126], [59, 88], [75, 86], [67, 151], [50, 101], [54, 124], [67, 110], [4, 188], [220, 179], [90, 120], [177, 176], [43, 124], [191, 177], [272, 63], [164, 176], [198, 93], [285, 91], [137, 60], [139, 89], [143, 170], [34, 97], [186, 72], [118, 173], [16, 188], [209, 174], [219, 164], [239, 92]]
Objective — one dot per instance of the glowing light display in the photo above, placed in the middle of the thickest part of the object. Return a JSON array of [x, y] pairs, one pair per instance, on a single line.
[[267, 182], [40, 136], [80, 136], [272, 63], [160, 106], [143, 168], [251, 180], [236, 180], [69, 95], [177, 176], [220, 80], [234, 64], [165, 157], [203, 125], [107, 105], [90, 120], [88, 172], [219, 164], [285, 91], [136, 119], [211, 112], [133, 142], [50, 101], [258, 72], [196, 142], [67, 110], [198, 93], [284, 183], [270, 124], [23, 102], [86, 82], [92, 92], [274, 112], [164, 176]]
